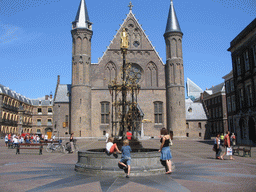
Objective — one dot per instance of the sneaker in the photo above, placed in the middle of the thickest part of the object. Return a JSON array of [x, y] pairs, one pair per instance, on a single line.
[[115, 155]]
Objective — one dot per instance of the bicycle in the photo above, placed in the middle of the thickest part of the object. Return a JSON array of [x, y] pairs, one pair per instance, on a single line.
[[57, 147], [67, 147]]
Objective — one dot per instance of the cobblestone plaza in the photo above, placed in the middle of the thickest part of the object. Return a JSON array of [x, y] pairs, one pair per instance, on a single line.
[[196, 169]]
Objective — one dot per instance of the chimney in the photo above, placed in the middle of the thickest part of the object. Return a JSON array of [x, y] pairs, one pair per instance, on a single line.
[[46, 97], [58, 81], [51, 95]]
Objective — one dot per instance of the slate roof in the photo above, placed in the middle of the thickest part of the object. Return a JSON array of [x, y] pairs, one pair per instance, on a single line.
[[36, 102], [172, 21], [62, 93], [197, 110], [13, 94], [18, 96], [218, 88]]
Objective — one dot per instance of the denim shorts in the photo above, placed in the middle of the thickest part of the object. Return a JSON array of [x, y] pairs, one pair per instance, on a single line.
[[126, 160]]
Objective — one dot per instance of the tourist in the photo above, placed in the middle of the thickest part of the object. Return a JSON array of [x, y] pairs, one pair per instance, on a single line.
[[46, 137], [15, 141], [222, 139], [126, 157], [233, 139], [27, 139], [165, 150], [129, 134], [111, 147], [107, 136], [53, 137], [71, 140], [227, 145], [6, 140], [218, 147]]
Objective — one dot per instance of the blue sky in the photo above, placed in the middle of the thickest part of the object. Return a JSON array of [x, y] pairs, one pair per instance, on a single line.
[[36, 44]]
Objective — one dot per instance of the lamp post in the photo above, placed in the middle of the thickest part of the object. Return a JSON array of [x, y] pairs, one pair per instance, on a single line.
[[20, 121]]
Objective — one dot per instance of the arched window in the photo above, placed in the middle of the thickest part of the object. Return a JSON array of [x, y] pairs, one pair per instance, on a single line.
[[152, 75], [110, 73]]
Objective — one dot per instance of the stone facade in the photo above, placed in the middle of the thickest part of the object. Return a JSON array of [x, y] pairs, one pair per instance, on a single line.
[[89, 100], [215, 103], [243, 52]]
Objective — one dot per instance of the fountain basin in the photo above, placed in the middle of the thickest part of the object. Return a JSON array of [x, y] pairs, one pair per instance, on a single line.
[[144, 162]]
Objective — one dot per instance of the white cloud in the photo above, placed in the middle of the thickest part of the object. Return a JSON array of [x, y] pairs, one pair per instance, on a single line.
[[9, 33]]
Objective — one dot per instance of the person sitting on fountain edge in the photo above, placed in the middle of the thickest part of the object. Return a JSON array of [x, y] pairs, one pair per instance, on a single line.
[[126, 157], [111, 148]]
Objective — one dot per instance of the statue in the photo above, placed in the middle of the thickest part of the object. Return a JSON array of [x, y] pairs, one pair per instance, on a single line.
[[124, 40]]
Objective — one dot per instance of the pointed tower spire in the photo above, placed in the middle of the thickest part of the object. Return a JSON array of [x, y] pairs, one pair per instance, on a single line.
[[172, 21], [82, 18]]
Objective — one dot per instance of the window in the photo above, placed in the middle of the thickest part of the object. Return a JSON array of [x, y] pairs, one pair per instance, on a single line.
[[249, 95], [105, 113], [50, 110], [187, 134], [39, 110], [246, 61], [38, 131], [241, 98], [49, 122], [40, 102], [220, 111], [39, 123], [229, 104], [227, 87], [66, 120], [213, 112], [233, 100], [158, 109], [199, 125], [187, 125], [232, 87], [238, 66], [254, 54]]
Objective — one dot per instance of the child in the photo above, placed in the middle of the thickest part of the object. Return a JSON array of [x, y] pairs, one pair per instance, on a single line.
[[126, 157], [111, 148]]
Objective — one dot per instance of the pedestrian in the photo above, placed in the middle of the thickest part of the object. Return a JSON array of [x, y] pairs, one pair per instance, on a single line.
[[222, 139], [46, 137], [6, 140], [53, 137], [218, 147], [129, 134], [16, 141], [165, 149], [126, 157], [111, 147], [227, 145], [107, 136], [233, 139], [71, 140]]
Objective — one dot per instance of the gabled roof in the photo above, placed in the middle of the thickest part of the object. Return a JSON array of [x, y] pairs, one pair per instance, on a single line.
[[63, 93], [130, 16]]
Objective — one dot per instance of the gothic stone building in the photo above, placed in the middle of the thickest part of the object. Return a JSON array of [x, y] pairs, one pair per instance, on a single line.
[[84, 107]]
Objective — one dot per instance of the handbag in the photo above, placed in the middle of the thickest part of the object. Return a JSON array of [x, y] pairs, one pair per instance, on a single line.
[[229, 151], [170, 142]]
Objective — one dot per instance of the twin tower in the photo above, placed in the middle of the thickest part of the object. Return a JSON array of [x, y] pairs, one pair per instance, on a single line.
[[85, 88]]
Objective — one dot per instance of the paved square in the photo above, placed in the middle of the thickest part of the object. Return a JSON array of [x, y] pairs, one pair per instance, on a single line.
[[196, 169]]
